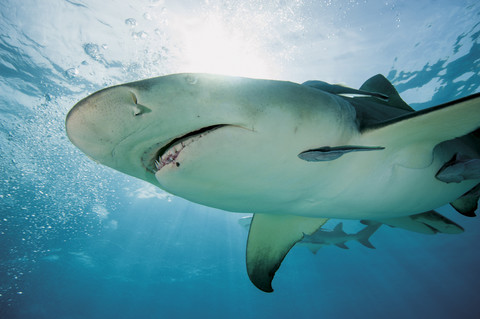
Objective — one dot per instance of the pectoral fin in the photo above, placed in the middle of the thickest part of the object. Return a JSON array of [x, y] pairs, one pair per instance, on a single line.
[[342, 245], [414, 135], [269, 240]]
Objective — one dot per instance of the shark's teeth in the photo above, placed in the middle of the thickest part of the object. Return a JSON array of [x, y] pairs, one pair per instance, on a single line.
[[170, 156], [178, 144]]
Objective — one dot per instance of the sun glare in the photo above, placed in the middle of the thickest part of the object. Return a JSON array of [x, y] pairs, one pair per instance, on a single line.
[[213, 47]]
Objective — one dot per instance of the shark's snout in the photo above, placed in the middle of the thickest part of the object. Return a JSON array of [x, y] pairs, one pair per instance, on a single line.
[[102, 120]]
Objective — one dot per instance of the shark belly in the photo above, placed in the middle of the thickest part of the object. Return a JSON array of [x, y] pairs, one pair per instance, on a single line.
[[391, 188], [387, 188]]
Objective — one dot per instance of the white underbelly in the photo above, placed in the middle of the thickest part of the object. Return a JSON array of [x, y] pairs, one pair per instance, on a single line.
[[362, 190]]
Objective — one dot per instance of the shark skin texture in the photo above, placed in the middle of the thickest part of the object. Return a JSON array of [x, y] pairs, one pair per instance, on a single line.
[[293, 154]]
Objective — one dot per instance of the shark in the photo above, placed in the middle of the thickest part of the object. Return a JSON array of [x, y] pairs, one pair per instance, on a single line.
[[294, 155], [338, 237]]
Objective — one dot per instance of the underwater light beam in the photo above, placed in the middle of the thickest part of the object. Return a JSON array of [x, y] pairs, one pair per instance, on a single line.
[[214, 47]]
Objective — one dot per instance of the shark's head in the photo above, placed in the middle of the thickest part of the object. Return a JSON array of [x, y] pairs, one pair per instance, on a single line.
[[216, 140]]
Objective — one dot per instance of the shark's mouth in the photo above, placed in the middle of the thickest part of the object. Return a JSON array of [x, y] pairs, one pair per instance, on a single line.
[[168, 153]]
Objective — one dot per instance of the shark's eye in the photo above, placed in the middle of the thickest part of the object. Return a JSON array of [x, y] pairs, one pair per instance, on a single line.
[[138, 109]]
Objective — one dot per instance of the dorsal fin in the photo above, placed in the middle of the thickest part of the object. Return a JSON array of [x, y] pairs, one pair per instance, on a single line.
[[338, 227], [380, 84]]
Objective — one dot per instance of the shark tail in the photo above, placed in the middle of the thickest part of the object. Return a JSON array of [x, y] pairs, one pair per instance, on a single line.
[[364, 235]]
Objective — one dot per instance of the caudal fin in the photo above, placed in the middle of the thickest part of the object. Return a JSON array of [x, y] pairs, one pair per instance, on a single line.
[[363, 236]]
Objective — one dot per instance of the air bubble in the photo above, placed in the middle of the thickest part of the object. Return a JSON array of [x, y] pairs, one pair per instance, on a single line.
[[93, 51], [71, 73], [140, 35], [131, 22]]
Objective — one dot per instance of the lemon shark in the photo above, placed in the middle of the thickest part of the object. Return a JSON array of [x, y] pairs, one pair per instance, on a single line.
[[338, 237], [293, 154]]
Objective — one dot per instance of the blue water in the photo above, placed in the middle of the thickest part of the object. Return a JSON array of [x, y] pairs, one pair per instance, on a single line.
[[78, 240]]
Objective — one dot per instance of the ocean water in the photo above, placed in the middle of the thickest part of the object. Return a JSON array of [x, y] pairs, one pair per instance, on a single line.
[[79, 240]]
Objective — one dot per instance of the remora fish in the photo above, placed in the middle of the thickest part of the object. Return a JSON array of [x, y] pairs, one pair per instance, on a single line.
[[293, 154]]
